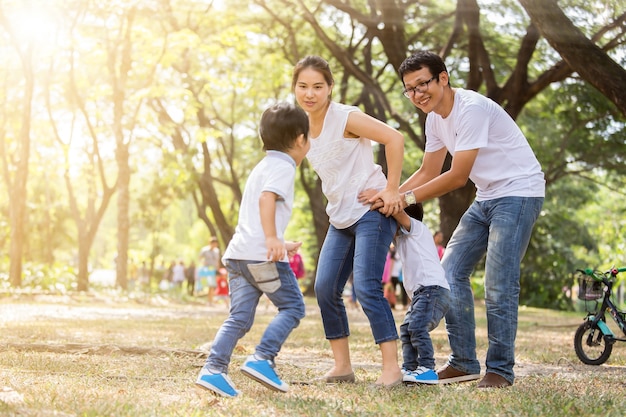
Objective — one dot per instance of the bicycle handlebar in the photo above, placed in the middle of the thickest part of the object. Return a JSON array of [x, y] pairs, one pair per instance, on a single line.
[[600, 276]]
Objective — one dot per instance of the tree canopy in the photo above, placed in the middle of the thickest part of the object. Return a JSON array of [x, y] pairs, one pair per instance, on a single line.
[[128, 129]]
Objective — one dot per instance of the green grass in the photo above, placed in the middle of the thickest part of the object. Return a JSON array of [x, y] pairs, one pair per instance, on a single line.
[[91, 356]]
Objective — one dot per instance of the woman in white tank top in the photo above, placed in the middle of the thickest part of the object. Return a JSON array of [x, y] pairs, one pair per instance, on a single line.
[[358, 238]]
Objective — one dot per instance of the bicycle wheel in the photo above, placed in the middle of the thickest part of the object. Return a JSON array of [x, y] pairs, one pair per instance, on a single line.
[[590, 346]]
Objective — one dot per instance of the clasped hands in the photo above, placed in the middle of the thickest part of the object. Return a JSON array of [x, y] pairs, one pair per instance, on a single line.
[[387, 202]]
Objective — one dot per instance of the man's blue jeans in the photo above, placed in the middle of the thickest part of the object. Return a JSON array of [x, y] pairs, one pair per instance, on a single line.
[[502, 228], [244, 298], [428, 306], [360, 249]]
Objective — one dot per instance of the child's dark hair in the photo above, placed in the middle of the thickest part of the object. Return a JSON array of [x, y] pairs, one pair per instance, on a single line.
[[415, 211], [281, 124], [422, 59]]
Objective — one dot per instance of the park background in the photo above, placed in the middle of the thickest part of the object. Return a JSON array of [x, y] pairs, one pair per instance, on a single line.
[[128, 128]]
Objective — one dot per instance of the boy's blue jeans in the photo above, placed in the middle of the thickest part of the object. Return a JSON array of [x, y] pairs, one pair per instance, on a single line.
[[428, 306], [244, 298], [502, 228], [360, 249]]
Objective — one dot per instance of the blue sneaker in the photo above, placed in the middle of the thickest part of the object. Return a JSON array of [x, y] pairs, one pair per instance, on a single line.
[[406, 375], [421, 375], [263, 372], [219, 383]]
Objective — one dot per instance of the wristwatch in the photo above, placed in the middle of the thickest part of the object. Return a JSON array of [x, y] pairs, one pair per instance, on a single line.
[[409, 198]]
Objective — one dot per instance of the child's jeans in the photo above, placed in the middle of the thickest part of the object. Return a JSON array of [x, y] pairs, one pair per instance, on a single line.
[[244, 298], [428, 306]]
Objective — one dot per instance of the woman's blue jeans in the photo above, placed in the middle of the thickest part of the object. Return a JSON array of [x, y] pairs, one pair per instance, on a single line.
[[360, 249], [502, 228], [244, 298], [428, 306]]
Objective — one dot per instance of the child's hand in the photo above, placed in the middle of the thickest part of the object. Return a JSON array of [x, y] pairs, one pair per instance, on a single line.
[[275, 249], [365, 195], [292, 248]]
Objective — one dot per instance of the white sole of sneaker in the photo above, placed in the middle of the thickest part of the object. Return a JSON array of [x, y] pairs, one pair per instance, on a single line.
[[213, 389], [422, 382], [251, 373]]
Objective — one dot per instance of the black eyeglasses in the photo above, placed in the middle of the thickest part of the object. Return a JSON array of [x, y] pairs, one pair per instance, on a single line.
[[420, 88]]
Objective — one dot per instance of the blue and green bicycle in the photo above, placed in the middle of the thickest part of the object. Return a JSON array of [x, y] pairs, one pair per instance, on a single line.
[[594, 340]]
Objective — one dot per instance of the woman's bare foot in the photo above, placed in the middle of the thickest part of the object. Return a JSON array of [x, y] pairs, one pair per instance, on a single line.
[[391, 373], [335, 372], [390, 378]]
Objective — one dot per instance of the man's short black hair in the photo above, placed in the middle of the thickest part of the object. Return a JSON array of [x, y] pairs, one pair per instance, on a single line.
[[281, 124], [423, 59], [415, 211]]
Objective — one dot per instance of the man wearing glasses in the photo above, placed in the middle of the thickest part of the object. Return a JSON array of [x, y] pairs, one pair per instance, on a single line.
[[488, 148]]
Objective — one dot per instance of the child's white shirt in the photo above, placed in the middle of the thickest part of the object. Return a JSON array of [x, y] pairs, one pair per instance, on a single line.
[[421, 266], [276, 172]]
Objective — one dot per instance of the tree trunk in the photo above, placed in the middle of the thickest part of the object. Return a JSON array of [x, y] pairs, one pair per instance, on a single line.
[[452, 206], [119, 79], [83, 268], [313, 187], [17, 184], [123, 219], [17, 239], [95, 201], [210, 199]]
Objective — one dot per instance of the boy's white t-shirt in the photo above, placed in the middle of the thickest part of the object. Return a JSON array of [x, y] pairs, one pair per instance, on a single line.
[[420, 262], [276, 172], [505, 165], [345, 166]]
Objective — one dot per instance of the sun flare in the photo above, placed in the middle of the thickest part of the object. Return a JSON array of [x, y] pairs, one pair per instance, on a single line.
[[32, 21]]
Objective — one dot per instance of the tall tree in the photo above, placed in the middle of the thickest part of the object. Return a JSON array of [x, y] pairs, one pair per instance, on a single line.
[[15, 150], [118, 65], [211, 114], [89, 203], [127, 74]]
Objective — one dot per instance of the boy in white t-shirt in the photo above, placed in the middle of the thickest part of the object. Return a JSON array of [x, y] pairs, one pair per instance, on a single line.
[[257, 256], [425, 282]]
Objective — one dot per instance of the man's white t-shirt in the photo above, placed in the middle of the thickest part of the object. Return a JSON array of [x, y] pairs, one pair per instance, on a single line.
[[345, 166], [420, 262], [276, 173], [505, 165]]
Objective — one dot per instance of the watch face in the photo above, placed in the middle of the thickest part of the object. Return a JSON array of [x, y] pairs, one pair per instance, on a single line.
[[409, 198]]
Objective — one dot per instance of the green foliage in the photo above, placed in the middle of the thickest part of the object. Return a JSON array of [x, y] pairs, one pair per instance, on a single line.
[[58, 278], [578, 131], [572, 234], [580, 142], [606, 217]]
